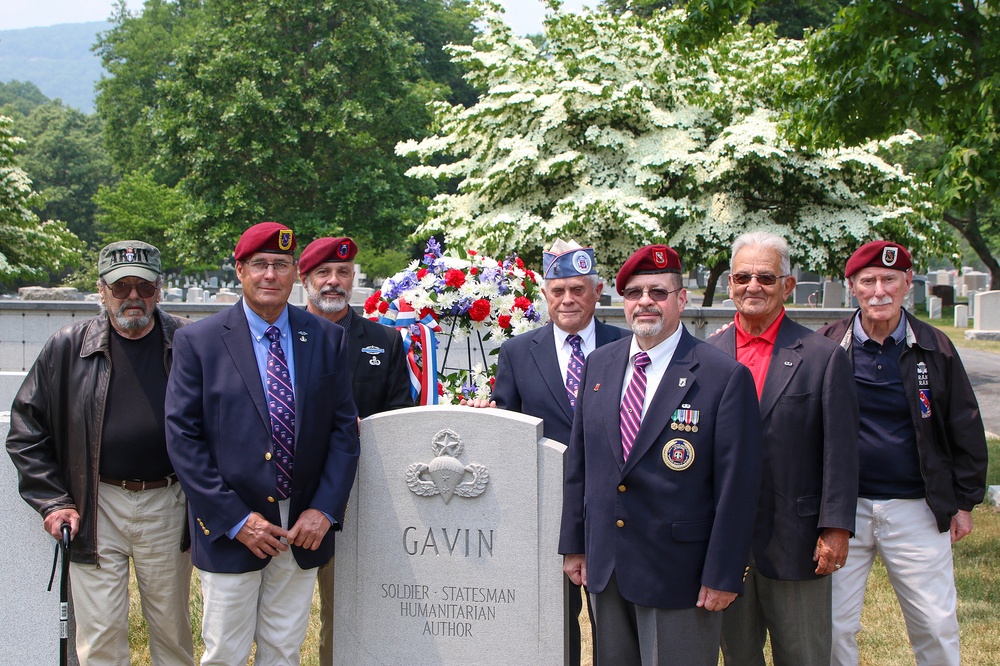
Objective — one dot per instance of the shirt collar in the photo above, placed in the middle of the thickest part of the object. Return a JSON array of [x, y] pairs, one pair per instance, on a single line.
[[588, 334], [897, 335], [258, 326], [660, 355], [770, 335]]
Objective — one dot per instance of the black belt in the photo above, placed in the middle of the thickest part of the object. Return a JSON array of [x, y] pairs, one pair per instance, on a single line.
[[141, 485]]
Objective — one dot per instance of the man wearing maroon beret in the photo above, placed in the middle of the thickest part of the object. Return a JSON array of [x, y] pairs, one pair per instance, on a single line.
[[922, 453], [378, 367], [662, 478], [262, 431]]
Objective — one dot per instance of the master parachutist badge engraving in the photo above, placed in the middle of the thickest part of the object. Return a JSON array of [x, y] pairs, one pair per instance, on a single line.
[[445, 475]]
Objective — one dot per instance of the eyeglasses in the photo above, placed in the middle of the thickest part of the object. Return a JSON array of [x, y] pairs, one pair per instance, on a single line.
[[123, 290], [658, 295], [259, 266], [763, 279]]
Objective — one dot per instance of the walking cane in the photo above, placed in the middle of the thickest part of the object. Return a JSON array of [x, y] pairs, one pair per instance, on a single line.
[[64, 599], [63, 546]]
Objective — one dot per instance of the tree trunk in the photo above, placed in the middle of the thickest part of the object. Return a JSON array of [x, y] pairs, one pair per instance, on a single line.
[[714, 272], [969, 228]]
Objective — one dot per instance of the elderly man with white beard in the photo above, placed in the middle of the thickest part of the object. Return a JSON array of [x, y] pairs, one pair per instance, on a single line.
[[378, 367]]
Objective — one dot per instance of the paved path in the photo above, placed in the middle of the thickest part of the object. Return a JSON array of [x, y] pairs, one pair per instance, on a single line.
[[984, 373]]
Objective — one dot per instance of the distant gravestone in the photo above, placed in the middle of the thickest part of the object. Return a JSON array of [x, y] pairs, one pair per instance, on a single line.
[[961, 316], [195, 295], [987, 311], [29, 614], [976, 281], [833, 294], [728, 303], [941, 277], [298, 295], [933, 307], [448, 554], [945, 292], [919, 289], [804, 291], [226, 296], [50, 294]]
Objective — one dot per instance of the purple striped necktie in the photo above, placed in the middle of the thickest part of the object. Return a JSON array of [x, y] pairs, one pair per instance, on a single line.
[[635, 395], [281, 408], [574, 370]]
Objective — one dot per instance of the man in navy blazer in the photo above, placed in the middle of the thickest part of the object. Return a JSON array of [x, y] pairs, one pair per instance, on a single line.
[[809, 485], [532, 368], [267, 473], [662, 477]]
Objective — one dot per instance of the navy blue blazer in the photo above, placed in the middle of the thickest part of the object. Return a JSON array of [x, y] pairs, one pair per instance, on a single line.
[[219, 441], [664, 533], [809, 481], [528, 378]]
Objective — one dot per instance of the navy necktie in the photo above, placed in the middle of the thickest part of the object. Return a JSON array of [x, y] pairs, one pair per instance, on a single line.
[[635, 396], [281, 408], [574, 370]]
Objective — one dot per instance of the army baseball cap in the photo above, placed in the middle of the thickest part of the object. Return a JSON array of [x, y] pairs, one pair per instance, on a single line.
[[130, 258]]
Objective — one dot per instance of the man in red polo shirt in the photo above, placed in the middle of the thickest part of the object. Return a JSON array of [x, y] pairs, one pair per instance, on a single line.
[[809, 481]]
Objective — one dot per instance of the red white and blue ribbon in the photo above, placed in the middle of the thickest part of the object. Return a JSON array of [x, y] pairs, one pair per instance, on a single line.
[[419, 346]]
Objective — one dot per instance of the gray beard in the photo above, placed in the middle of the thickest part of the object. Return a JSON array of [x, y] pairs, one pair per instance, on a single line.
[[318, 301], [130, 323]]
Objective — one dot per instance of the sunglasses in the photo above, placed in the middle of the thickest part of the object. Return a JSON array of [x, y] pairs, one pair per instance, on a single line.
[[764, 279], [123, 290], [658, 295]]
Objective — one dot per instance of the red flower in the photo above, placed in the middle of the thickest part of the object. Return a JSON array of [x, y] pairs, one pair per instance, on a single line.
[[427, 311], [519, 262], [531, 274], [473, 271], [383, 307], [421, 273], [522, 303], [454, 278], [440, 388], [472, 253], [480, 310], [493, 381], [504, 321], [372, 301]]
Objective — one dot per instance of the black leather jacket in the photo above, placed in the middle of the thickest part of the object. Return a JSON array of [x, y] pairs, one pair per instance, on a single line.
[[56, 422]]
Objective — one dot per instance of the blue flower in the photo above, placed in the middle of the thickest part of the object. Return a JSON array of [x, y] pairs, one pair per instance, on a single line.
[[433, 250]]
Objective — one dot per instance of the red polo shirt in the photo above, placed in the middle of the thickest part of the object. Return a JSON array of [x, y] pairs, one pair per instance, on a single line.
[[755, 351]]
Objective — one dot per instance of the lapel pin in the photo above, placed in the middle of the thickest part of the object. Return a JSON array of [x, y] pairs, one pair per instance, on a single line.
[[682, 382], [788, 363], [303, 336], [596, 386]]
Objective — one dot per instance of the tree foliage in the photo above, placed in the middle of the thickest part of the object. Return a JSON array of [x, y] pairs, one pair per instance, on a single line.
[[886, 65], [29, 248], [277, 109], [619, 134], [20, 97], [68, 163]]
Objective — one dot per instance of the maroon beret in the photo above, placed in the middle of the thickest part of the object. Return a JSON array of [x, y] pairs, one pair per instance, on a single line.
[[265, 237], [322, 250], [648, 260], [883, 254]]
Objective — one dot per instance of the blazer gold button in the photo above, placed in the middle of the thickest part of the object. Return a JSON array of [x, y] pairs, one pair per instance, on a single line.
[[621, 488], [620, 523], [270, 499], [206, 531], [267, 456]]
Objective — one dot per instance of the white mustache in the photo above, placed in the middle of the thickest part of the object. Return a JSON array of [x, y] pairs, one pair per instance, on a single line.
[[875, 300], [128, 305], [333, 290]]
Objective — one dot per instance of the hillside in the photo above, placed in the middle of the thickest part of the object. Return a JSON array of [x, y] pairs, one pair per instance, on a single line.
[[57, 59]]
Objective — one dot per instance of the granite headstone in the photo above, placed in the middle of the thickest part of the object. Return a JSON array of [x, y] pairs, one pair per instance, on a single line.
[[448, 554]]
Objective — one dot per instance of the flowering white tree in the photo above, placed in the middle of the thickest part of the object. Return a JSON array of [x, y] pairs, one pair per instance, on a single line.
[[620, 133], [29, 248]]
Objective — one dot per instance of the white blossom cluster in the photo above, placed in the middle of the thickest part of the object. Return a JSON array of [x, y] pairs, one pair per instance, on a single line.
[[617, 135]]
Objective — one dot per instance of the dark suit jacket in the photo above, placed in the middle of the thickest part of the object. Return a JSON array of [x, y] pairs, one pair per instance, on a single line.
[[809, 412], [679, 529], [379, 377], [528, 378], [218, 434]]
